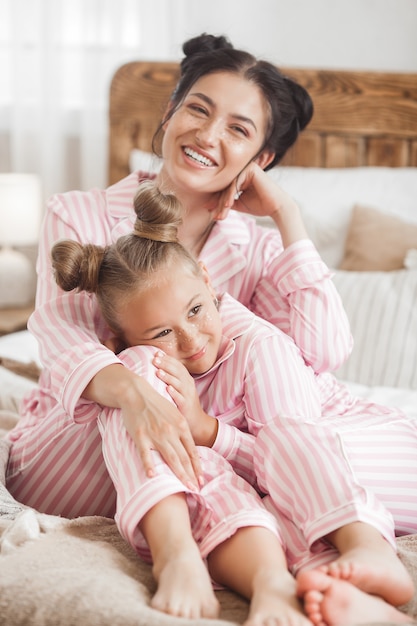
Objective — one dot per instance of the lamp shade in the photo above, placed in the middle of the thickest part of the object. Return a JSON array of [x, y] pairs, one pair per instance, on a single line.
[[20, 209]]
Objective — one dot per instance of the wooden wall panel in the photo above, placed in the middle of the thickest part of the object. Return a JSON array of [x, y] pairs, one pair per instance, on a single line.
[[321, 150], [342, 151], [307, 152], [388, 151], [413, 153], [371, 103]]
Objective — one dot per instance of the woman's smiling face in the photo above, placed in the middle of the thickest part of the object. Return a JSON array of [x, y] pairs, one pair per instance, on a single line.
[[214, 133], [176, 313]]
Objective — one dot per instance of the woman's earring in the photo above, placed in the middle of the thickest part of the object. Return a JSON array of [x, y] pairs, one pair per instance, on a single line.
[[216, 303]]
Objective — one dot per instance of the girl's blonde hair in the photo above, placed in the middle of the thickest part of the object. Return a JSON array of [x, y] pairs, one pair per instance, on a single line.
[[115, 272]]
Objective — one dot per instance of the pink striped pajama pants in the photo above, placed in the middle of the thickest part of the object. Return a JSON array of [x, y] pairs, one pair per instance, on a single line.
[[320, 476], [224, 504]]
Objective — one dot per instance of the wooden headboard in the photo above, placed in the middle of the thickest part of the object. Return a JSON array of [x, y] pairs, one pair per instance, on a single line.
[[360, 118]]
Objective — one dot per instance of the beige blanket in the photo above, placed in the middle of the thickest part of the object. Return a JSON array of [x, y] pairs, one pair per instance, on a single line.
[[58, 572]]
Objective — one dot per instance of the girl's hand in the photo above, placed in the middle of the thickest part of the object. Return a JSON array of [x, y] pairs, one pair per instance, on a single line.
[[254, 192], [181, 387]]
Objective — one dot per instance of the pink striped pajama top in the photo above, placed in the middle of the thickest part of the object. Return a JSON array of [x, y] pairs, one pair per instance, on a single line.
[[57, 435], [292, 288]]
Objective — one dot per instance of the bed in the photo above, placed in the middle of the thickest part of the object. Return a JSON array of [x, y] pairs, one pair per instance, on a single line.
[[354, 174]]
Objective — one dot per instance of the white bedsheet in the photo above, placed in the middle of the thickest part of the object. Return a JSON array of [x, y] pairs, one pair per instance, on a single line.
[[405, 399]]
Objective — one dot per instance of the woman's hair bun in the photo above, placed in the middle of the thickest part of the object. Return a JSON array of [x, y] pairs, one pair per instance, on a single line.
[[205, 44], [302, 101]]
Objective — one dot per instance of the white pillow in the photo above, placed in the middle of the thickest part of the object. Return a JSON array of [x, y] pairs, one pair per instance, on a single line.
[[20, 346], [22, 349], [382, 310], [326, 197], [13, 388], [145, 161]]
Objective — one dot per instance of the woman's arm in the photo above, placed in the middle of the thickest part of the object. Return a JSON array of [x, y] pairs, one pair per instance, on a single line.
[[284, 279], [297, 294], [152, 421], [70, 331], [255, 193]]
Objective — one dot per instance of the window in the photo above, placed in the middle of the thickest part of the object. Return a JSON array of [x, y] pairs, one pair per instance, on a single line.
[[57, 59]]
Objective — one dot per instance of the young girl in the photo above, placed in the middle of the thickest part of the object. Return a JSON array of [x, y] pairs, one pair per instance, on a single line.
[[155, 297]]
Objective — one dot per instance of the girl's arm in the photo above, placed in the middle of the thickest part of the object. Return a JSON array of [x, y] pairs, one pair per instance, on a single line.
[[181, 387]]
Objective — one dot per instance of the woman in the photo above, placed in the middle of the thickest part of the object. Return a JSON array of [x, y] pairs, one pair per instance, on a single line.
[[152, 293], [229, 118]]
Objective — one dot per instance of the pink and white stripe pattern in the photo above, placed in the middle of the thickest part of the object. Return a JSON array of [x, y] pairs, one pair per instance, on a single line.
[[264, 417], [224, 504], [314, 484]]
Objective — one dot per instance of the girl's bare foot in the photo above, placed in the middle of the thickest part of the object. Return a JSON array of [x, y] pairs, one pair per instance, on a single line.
[[331, 601], [274, 602], [184, 587]]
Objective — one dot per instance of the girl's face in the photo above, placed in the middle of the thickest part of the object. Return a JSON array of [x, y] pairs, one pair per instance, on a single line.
[[215, 132], [177, 313]]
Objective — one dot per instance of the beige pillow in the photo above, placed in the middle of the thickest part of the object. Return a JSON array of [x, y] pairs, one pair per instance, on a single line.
[[377, 241]]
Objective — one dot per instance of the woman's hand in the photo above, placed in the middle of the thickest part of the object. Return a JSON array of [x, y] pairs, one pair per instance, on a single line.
[[181, 387], [153, 422], [254, 192]]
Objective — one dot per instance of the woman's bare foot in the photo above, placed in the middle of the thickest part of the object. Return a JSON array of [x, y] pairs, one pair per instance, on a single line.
[[370, 563], [184, 587], [274, 602], [381, 574], [331, 601]]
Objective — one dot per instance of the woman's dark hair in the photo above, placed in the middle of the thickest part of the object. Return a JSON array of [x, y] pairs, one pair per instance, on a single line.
[[290, 105], [114, 273]]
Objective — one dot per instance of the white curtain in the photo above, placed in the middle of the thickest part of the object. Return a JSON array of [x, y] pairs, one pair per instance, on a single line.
[[57, 58]]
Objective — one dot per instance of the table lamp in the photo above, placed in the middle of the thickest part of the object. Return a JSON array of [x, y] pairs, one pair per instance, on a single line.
[[20, 217]]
